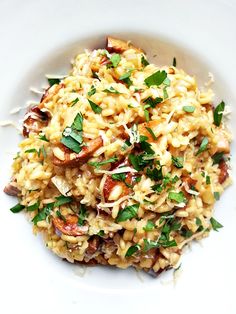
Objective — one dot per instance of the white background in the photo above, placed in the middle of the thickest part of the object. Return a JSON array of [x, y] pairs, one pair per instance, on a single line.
[[32, 280]]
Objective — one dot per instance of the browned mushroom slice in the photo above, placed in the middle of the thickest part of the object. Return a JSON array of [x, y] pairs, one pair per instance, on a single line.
[[12, 190], [114, 189], [35, 120], [118, 45], [223, 171], [49, 93], [69, 226], [71, 159], [93, 245]]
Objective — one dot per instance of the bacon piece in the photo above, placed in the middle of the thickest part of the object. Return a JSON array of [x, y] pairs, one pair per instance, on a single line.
[[73, 159], [119, 46], [35, 120], [70, 226], [11, 189], [223, 171]]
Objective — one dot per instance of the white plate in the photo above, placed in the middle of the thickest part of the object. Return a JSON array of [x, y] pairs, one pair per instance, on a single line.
[[39, 37]]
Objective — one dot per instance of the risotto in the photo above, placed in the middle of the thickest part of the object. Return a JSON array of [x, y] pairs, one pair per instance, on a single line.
[[122, 161]]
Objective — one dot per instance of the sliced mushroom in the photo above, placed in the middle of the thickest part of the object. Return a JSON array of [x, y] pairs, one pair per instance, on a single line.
[[93, 246], [12, 190], [35, 120], [71, 159], [223, 171], [114, 189], [119, 46], [69, 226]]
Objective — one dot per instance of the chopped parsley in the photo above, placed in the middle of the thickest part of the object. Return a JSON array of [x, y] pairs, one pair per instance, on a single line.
[[31, 150], [78, 122], [208, 180], [17, 208], [144, 61], [157, 188], [42, 137], [155, 174], [138, 161], [111, 90], [128, 212], [101, 233], [217, 196], [92, 91], [177, 197], [126, 78], [203, 145], [132, 249], [82, 215], [217, 157], [115, 60], [59, 215], [72, 136], [189, 109], [186, 233], [215, 224], [177, 161], [119, 176], [218, 113], [61, 200], [198, 221], [74, 101], [126, 145], [152, 102], [33, 207], [151, 132], [71, 143], [94, 106], [43, 214], [53, 81], [43, 151], [98, 164], [156, 78], [149, 226]]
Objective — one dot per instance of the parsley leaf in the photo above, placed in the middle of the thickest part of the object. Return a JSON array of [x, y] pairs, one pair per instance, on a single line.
[[17, 208], [157, 188], [97, 164], [151, 132], [132, 249], [144, 61], [74, 101], [177, 196], [33, 207], [189, 109], [111, 90], [155, 174], [92, 91], [138, 161], [61, 200], [152, 102], [203, 145], [42, 215], [217, 157], [59, 215], [218, 113], [217, 196], [53, 81], [115, 60], [119, 176], [78, 122], [94, 106], [42, 137], [82, 214], [177, 161], [31, 150], [149, 226], [215, 224], [208, 180], [71, 144], [126, 78], [156, 78], [128, 212]]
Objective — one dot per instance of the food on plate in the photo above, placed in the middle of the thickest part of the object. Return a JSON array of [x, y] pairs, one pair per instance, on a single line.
[[122, 161]]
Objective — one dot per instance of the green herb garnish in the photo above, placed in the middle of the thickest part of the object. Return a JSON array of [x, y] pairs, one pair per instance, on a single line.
[[17, 208], [92, 91], [128, 212], [217, 157], [149, 226], [31, 150], [74, 101], [126, 78], [42, 215], [61, 200], [177, 196], [151, 132], [33, 207], [42, 137], [215, 224], [94, 106], [115, 60], [132, 249], [156, 78], [174, 62], [78, 122], [217, 196], [144, 61], [98, 164], [218, 113], [53, 81], [82, 214], [111, 90], [208, 180], [203, 145], [59, 215], [71, 144], [177, 161]]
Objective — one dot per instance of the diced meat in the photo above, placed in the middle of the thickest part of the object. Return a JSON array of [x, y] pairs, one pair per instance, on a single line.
[[223, 171], [72, 159], [12, 190], [34, 121], [119, 46], [143, 131], [70, 226], [93, 245]]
